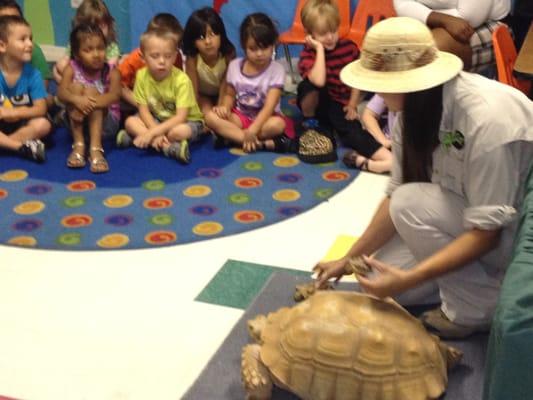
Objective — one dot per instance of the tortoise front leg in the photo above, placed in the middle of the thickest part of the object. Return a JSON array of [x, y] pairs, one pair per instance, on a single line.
[[256, 326], [255, 376]]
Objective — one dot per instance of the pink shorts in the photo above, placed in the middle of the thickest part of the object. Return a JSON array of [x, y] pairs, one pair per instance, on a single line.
[[246, 121]]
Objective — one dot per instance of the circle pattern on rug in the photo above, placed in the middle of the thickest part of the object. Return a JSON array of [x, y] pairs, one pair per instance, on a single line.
[[147, 200]]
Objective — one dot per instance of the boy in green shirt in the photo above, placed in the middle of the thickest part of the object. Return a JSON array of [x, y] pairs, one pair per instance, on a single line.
[[168, 114]]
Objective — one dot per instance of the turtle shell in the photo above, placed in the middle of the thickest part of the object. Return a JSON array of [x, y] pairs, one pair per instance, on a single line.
[[350, 346]]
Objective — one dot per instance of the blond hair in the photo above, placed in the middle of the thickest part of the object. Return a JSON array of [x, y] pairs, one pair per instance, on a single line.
[[320, 14], [161, 34]]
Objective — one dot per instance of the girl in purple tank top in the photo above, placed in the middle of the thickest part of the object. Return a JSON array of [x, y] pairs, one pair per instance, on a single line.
[[91, 91]]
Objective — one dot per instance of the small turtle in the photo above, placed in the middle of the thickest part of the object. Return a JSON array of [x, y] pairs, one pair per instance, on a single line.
[[340, 345]]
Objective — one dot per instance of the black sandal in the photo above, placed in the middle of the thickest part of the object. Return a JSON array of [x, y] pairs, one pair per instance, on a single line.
[[350, 160]]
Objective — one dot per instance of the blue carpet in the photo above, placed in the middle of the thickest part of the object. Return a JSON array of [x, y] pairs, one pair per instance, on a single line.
[[147, 200]]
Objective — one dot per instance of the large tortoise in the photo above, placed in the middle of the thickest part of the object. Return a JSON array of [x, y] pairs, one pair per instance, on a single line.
[[345, 346]]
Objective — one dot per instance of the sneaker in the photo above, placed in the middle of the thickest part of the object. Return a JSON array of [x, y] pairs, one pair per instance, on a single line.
[[33, 149], [438, 323], [179, 151], [123, 140], [284, 144]]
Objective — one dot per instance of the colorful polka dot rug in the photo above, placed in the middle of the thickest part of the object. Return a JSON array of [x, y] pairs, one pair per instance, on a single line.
[[147, 200]]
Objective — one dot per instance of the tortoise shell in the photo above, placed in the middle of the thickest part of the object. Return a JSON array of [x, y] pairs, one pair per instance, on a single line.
[[350, 346]]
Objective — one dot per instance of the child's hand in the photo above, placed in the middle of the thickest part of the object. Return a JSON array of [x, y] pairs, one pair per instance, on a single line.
[[351, 112], [143, 141], [250, 141], [160, 142], [387, 143], [221, 111], [85, 104], [312, 42]]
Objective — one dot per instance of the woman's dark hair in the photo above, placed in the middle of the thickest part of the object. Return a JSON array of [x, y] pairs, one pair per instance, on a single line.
[[81, 32], [196, 27], [259, 27], [422, 113]]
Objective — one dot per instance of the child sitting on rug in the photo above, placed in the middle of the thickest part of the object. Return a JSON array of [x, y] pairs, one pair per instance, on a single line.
[[168, 114], [90, 88], [208, 51], [322, 95], [38, 60], [380, 127], [249, 112], [23, 119], [93, 12], [134, 61], [376, 122]]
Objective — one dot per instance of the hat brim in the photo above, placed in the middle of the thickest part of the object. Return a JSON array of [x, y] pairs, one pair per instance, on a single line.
[[442, 69]]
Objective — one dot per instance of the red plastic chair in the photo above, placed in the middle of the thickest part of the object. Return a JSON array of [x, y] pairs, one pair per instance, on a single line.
[[296, 34], [367, 13], [505, 54]]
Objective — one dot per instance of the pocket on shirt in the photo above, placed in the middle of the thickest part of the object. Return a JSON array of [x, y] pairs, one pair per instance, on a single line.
[[452, 170]]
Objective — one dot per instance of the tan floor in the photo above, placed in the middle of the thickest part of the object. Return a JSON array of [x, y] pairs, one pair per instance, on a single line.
[[123, 324]]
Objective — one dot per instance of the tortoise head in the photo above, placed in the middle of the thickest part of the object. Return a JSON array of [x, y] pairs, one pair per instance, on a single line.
[[255, 327]]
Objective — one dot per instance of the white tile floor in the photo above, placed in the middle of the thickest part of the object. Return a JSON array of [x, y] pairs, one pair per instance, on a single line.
[[119, 325]]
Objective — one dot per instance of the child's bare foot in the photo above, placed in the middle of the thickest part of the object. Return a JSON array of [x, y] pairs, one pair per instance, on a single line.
[[76, 158], [98, 163]]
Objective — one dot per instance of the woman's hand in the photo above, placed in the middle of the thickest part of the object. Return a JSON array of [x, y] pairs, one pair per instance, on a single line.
[[326, 270], [458, 28], [386, 281]]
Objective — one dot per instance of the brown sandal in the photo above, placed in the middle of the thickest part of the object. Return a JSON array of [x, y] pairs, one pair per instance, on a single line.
[[76, 158], [98, 164], [350, 160]]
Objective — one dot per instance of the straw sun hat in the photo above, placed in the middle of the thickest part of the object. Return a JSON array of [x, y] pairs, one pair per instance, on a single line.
[[399, 56]]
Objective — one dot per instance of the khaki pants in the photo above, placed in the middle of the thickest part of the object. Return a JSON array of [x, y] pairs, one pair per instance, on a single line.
[[427, 218]]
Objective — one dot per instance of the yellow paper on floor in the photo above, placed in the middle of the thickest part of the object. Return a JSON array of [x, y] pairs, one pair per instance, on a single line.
[[338, 249]]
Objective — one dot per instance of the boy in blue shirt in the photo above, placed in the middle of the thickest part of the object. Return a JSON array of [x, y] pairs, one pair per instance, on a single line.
[[23, 119]]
